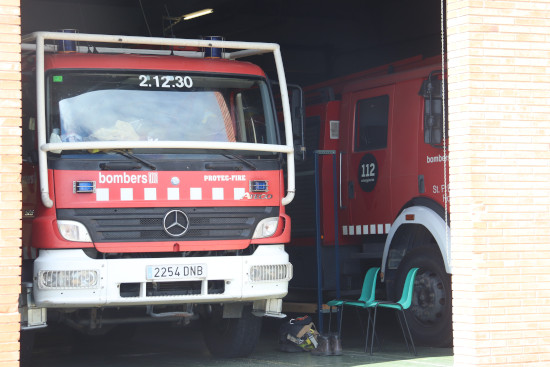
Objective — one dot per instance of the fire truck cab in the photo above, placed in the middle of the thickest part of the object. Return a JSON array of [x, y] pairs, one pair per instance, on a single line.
[[153, 186], [385, 127]]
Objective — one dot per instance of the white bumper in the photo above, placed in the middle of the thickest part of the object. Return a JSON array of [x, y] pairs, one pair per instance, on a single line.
[[268, 279]]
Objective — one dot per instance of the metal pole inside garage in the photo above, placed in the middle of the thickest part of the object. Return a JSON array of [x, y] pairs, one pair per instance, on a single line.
[[318, 239]]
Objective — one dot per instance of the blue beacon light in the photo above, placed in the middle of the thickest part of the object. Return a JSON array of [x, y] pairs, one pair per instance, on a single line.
[[83, 187], [66, 46], [259, 186]]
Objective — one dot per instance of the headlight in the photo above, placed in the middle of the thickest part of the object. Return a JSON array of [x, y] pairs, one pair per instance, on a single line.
[[73, 231], [270, 273], [68, 279], [266, 227]]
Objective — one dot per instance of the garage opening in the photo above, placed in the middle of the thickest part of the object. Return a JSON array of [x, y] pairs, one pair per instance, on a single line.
[[372, 140]]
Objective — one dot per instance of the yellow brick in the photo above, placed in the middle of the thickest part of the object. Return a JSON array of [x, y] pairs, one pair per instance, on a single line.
[[9, 121], [9, 271], [10, 61], [9, 364], [10, 19], [9, 337], [9, 38], [11, 262], [9, 356], [9, 289], [9, 252], [14, 3], [10, 112]]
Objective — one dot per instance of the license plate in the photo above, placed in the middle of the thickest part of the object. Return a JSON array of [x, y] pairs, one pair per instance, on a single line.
[[191, 271]]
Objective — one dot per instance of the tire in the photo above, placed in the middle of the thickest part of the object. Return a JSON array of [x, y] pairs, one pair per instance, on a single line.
[[232, 338], [430, 314]]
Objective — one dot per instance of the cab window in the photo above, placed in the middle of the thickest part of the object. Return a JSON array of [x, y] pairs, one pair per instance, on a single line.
[[371, 123]]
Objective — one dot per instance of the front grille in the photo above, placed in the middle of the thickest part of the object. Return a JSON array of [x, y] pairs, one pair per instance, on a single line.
[[146, 224], [183, 288], [173, 288]]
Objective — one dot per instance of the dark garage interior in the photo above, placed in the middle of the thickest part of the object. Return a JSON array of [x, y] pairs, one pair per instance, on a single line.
[[408, 141], [319, 40]]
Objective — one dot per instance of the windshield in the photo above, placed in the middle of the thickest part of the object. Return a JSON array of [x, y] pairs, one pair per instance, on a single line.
[[152, 106]]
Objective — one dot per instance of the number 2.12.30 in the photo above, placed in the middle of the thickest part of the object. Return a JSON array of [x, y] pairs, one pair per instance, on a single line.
[[165, 81]]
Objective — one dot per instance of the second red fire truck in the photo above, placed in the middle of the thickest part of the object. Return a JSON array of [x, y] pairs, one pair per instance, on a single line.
[[385, 127]]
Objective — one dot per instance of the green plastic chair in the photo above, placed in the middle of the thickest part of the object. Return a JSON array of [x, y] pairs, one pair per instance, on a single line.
[[365, 300], [401, 305]]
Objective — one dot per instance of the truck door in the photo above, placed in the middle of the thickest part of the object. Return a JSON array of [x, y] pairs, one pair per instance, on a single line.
[[366, 158]]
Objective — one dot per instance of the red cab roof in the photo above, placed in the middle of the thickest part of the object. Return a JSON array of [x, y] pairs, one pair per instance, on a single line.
[[149, 62], [397, 71]]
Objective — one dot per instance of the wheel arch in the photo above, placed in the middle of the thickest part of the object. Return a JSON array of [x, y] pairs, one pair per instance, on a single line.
[[412, 223]]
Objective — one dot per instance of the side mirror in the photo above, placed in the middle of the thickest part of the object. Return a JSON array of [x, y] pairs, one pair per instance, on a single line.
[[431, 90], [297, 112], [297, 116]]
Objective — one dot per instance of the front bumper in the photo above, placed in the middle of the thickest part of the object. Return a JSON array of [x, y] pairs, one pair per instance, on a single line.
[[260, 276]]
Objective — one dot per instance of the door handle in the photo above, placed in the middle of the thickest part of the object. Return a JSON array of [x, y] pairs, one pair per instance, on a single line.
[[351, 190], [340, 182]]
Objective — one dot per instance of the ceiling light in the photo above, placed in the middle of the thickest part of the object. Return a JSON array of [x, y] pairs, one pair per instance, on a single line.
[[198, 14]]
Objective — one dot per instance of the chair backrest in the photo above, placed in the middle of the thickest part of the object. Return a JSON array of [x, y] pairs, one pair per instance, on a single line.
[[406, 297], [369, 285]]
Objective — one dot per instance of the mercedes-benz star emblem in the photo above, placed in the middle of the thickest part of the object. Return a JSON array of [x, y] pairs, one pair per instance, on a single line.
[[175, 223]]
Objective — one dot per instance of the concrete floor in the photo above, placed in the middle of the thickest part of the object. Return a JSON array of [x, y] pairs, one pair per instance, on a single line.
[[163, 345]]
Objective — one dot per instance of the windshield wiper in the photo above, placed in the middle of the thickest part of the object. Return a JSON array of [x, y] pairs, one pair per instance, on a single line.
[[245, 161], [135, 158]]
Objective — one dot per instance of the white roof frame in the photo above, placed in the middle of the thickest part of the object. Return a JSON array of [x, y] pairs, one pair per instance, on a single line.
[[243, 49]]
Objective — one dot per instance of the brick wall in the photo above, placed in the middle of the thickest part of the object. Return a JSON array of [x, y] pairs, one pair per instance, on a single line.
[[499, 130], [10, 180]]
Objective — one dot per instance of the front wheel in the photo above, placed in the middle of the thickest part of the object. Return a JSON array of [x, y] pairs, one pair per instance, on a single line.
[[231, 338], [430, 314]]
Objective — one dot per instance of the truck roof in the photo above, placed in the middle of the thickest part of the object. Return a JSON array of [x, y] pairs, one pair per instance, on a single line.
[[380, 75], [149, 62]]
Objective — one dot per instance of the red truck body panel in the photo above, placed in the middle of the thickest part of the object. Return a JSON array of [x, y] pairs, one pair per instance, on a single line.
[[398, 164], [149, 62]]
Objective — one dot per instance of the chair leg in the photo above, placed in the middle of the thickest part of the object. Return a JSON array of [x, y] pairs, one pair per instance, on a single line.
[[373, 331], [339, 318], [367, 332], [403, 331], [374, 334], [409, 330], [341, 312], [329, 319], [360, 319]]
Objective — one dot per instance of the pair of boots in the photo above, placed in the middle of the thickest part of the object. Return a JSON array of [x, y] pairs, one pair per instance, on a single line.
[[329, 345]]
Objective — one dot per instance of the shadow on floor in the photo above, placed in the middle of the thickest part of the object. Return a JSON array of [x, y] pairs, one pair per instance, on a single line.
[[165, 345]]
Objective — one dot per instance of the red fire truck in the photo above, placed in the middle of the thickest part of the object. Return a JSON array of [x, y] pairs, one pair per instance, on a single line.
[[385, 128], [153, 186]]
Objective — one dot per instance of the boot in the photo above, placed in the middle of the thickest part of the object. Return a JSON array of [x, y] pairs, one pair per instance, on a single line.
[[335, 345], [323, 348]]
